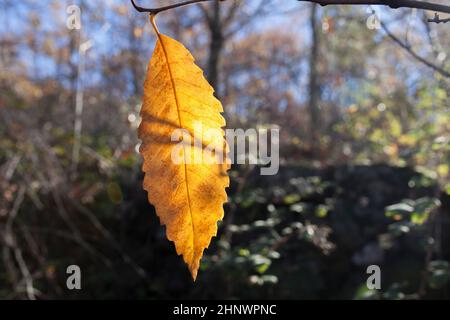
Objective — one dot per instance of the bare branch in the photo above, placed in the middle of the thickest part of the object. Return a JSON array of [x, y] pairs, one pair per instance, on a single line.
[[173, 6], [408, 48], [395, 4], [437, 19]]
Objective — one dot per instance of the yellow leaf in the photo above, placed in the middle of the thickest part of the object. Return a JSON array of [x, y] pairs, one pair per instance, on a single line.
[[407, 140], [443, 170], [188, 195]]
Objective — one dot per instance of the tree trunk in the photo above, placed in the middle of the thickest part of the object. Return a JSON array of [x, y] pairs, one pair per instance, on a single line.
[[314, 85], [216, 45]]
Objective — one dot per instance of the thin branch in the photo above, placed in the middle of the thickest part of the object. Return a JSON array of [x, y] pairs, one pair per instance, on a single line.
[[27, 277], [435, 67], [437, 19], [433, 40], [11, 242], [206, 14], [394, 4], [108, 236], [160, 9]]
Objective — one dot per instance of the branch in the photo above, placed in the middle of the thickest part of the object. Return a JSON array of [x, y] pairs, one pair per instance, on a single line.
[[394, 4], [437, 19], [405, 46], [160, 9]]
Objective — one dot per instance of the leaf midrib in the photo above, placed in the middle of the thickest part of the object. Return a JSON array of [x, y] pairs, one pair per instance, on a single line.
[[160, 39]]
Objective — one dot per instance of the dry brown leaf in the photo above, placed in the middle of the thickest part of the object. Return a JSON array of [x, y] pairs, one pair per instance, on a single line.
[[188, 197]]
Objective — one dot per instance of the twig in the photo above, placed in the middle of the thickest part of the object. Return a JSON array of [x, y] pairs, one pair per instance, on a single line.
[[25, 273], [437, 19], [395, 4], [11, 243], [161, 9], [13, 214], [11, 167], [436, 68], [76, 233], [108, 236]]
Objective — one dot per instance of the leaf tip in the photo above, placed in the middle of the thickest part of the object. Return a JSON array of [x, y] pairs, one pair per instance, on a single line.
[[194, 271]]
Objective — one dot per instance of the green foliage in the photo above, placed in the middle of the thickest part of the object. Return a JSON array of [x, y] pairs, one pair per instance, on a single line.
[[416, 211], [439, 274]]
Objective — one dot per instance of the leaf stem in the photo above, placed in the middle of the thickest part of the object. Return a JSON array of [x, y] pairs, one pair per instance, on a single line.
[[153, 22]]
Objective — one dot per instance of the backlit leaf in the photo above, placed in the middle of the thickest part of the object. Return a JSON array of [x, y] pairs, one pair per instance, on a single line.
[[188, 196]]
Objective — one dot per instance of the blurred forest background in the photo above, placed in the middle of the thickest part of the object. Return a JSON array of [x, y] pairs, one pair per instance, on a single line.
[[363, 110]]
